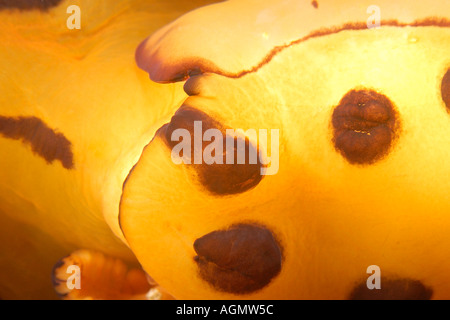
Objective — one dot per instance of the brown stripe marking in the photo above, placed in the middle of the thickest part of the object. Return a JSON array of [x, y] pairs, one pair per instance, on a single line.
[[196, 65], [44, 141], [240, 260], [42, 5]]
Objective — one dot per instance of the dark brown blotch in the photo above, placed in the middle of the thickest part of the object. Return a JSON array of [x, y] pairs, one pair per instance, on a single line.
[[445, 89], [29, 4], [365, 125], [56, 266], [44, 141], [393, 289], [239, 260], [55, 280], [218, 178]]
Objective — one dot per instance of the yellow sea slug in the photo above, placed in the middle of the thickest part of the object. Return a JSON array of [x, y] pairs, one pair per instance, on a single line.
[[337, 181]]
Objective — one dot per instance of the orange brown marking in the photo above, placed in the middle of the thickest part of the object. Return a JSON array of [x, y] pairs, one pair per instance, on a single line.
[[445, 89], [365, 125], [29, 4], [393, 289], [240, 260], [55, 281], [315, 4], [44, 141], [219, 179]]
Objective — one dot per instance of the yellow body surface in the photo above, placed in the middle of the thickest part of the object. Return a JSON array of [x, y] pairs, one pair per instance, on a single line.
[[363, 117], [85, 85], [332, 217]]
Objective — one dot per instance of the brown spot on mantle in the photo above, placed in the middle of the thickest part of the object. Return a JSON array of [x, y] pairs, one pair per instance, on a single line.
[[220, 179], [393, 289], [365, 126], [445, 89], [44, 141], [42, 5], [240, 260]]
